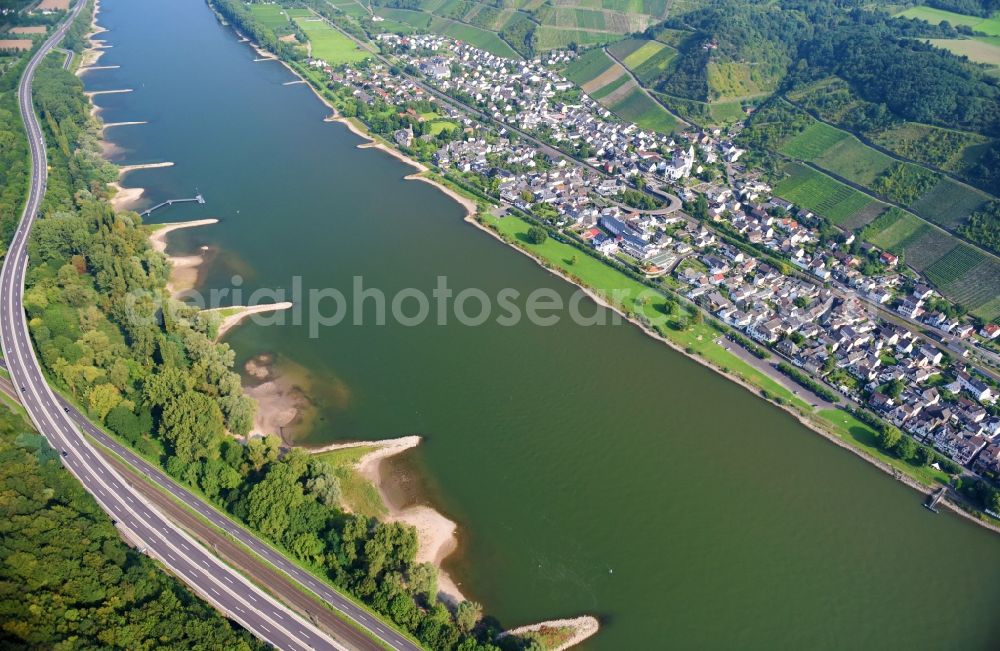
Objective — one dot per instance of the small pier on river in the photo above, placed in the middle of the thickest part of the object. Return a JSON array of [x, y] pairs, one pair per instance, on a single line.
[[932, 500], [163, 204]]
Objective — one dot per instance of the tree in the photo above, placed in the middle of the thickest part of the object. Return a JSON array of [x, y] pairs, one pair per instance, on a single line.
[[889, 437], [467, 614], [193, 423], [536, 235], [906, 449], [102, 399], [272, 499]]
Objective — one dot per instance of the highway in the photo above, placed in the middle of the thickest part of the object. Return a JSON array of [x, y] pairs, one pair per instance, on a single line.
[[134, 515]]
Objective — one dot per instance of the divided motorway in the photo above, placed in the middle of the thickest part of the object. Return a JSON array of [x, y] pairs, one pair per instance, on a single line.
[[144, 523]]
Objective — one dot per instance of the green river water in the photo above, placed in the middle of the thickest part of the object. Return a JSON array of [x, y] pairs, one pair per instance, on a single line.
[[591, 469]]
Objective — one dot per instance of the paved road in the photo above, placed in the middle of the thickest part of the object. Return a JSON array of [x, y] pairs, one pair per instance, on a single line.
[[142, 522]]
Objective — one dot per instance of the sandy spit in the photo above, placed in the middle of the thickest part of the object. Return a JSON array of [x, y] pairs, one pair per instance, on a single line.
[[184, 268], [125, 169], [125, 198], [235, 319], [583, 628], [436, 534]]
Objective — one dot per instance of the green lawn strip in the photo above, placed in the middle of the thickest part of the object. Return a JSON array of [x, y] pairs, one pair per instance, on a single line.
[[990, 26], [329, 44], [849, 429], [591, 272], [359, 493], [312, 572], [15, 405]]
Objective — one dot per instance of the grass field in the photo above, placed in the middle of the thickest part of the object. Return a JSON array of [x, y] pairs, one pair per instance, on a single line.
[[637, 107], [436, 127], [981, 50], [329, 44], [358, 493], [858, 435], [821, 194], [948, 203], [271, 16], [990, 26]]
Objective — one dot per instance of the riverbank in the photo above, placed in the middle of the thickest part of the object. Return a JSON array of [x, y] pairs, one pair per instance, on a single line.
[[91, 54], [436, 534], [185, 270]]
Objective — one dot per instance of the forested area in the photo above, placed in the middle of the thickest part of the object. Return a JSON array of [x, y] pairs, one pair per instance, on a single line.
[[13, 156], [67, 581], [984, 8], [796, 42]]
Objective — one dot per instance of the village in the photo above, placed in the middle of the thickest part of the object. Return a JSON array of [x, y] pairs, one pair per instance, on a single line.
[[847, 314]]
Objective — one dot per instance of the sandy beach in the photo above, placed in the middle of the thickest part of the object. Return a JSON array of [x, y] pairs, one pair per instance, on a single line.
[[125, 198], [436, 534], [244, 311], [185, 268]]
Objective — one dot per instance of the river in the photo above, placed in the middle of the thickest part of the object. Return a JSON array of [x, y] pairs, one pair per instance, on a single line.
[[591, 469]]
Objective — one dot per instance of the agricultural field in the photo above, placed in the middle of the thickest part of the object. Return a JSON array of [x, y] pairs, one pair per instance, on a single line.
[[989, 26], [648, 60], [959, 271], [329, 44], [969, 277], [414, 19], [637, 107], [588, 66], [554, 38], [949, 203], [617, 85], [895, 229], [817, 139], [352, 8], [837, 151], [821, 194], [481, 38]]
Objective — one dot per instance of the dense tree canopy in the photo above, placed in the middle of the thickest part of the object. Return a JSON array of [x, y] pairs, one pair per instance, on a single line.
[[66, 578]]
